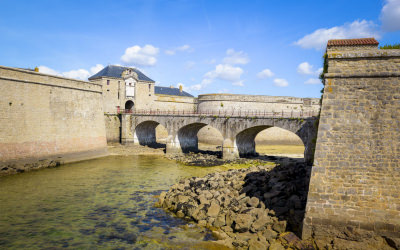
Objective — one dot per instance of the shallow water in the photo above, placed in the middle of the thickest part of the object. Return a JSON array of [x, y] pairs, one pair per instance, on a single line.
[[105, 203]]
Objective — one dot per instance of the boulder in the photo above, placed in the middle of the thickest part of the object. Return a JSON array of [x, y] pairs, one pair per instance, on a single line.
[[257, 245], [220, 221], [213, 210], [253, 202], [243, 222], [260, 223]]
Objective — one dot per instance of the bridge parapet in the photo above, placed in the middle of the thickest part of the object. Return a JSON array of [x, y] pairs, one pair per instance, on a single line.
[[221, 113]]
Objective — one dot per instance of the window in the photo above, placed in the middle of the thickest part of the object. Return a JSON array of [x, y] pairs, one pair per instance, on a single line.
[[108, 82], [149, 87]]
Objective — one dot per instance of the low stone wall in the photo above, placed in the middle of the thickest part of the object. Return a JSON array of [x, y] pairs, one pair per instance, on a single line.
[[42, 116]]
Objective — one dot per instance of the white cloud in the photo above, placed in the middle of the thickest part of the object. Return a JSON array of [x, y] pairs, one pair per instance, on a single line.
[[265, 74], [47, 70], [81, 74], [390, 15], [305, 68], [236, 57], [95, 69], [225, 72], [313, 81], [137, 55], [181, 48], [357, 29], [280, 82]]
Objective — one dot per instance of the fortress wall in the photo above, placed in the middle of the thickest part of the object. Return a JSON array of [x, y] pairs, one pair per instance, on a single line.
[[235, 103], [170, 103], [356, 173], [42, 116], [113, 127]]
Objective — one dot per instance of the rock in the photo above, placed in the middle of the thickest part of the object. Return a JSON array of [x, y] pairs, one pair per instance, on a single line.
[[244, 236], [280, 226], [220, 235], [257, 245], [161, 198], [202, 223], [226, 229], [276, 245], [260, 223], [292, 240], [220, 220], [243, 222], [180, 214], [270, 234], [226, 242], [214, 209], [199, 213], [253, 202], [294, 201], [203, 200], [271, 194]]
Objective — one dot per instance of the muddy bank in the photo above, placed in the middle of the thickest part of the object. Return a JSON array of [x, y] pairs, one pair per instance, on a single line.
[[261, 207], [118, 149]]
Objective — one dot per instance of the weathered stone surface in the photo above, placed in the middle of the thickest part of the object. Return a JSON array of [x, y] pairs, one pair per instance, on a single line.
[[356, 169], [243, 222], [214, 209]]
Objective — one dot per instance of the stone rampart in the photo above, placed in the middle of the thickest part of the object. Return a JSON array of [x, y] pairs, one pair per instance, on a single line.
[[167, 102], [113, 127], [356, 173], [240, 103], [44, 116]]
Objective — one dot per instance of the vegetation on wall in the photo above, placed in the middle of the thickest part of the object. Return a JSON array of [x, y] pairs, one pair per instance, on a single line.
[[390, 46]]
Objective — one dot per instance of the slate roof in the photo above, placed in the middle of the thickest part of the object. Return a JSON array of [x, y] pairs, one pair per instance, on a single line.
[[353, 42], [158, 90], [116, 71]]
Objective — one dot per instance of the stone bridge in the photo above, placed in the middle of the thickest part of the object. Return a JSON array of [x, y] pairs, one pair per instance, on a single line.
[[238, 132]]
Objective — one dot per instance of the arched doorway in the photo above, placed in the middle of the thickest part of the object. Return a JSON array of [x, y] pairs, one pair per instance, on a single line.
[[129, 106]]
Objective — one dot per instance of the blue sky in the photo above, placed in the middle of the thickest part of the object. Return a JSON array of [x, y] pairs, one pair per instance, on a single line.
[[243, 47]]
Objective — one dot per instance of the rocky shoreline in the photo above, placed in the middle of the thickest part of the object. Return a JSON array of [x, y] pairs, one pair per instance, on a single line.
[[260, 207], [245, 208]]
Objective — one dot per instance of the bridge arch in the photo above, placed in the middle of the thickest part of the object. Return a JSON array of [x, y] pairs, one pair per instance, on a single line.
[[246, 139], [145, 133], [187, 136]]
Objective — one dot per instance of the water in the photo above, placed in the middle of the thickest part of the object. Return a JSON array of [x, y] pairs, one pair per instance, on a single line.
[[105, 203]]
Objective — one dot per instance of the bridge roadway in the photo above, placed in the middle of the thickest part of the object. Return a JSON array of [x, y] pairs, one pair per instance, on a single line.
[[238, 129]]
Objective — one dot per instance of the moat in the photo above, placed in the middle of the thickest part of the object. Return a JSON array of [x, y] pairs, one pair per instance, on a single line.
[[102, 203]]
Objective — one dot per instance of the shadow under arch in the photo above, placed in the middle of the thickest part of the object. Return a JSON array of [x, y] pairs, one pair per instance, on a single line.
[[245, 140], [189, 141], [147, 133]]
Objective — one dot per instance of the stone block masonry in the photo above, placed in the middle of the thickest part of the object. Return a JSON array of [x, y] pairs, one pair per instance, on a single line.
[[46, 119], [355, 178]]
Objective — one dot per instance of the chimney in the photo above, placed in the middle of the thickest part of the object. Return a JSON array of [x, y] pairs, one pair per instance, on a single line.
[[171, 86], [180, 88], [36, 69]]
